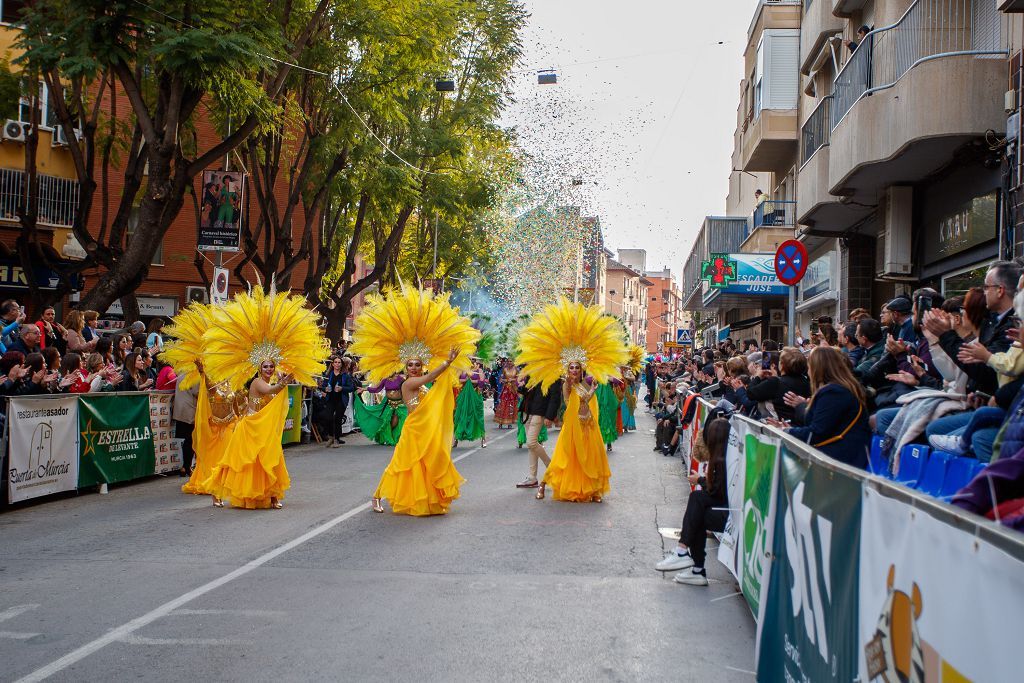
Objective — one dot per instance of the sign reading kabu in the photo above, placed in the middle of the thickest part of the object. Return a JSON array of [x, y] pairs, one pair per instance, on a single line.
[[755, 274]]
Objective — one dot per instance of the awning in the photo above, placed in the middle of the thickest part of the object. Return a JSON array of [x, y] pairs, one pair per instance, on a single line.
[[748, 323]]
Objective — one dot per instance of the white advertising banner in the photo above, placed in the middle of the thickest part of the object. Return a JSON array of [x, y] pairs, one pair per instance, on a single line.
[[925, 614], [734, 461], [43, 447]]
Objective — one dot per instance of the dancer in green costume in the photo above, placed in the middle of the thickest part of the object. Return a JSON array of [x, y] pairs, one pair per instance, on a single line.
[[469, 407], [608, 411], [382, 423]]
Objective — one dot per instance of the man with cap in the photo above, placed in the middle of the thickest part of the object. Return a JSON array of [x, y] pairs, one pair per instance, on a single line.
[[901, 310]]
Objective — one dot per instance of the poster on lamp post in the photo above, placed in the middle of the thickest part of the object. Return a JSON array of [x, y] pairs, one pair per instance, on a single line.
[[220, 211]]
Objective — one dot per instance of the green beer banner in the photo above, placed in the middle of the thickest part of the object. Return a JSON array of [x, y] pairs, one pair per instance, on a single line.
[[115, 440], [808, 625], [292, 432]]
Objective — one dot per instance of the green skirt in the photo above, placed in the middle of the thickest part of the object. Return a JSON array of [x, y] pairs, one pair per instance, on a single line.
[[521, 434], [469, 414], [608, 412], [375, 422]]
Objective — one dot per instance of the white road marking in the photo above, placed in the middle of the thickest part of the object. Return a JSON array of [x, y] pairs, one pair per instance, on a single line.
[[742, 671], [232, 612], [141, 640], [14, 635], [122, 632], [724, 597], [12, 612]]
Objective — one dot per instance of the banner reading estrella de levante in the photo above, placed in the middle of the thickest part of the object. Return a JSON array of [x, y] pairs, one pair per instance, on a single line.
[[116, 441], [807, 625], [43, 447]]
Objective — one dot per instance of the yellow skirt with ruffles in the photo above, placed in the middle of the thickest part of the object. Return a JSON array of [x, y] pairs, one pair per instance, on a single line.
[[251, 469], [421, 480], [579, 466], [208, 442]]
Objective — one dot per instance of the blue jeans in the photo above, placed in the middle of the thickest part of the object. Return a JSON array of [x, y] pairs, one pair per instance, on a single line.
[[884, 418], [950, 424], [984, 417]]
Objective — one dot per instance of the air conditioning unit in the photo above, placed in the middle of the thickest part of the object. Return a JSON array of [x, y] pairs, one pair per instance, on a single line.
[[60, 136], [15, 131], [893, 259], [197, 295]]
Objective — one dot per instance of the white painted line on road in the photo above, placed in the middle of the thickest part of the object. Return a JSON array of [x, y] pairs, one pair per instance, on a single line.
[[232, 612], [724, 597], [12, 612], [14, 635], [742, 671], [141, 640], [125, 630], [469, 453]]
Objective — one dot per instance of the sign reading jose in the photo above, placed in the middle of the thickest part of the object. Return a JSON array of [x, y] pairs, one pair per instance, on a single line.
[[44, 447], [116, 441]]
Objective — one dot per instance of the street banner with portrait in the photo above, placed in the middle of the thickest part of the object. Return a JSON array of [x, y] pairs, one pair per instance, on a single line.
[[166, 456], [221, 209], [936, 604], [116, 438], [43, 447], [807, 619]]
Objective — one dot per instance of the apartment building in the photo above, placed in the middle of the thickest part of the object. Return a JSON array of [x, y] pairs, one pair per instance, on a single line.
[[627, 299], [664, 300]]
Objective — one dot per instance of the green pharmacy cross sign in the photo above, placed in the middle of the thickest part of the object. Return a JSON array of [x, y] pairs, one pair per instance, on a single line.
[[719, 271]]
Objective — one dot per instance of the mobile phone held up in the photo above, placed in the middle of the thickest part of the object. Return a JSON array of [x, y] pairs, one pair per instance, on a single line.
[[924, 303]]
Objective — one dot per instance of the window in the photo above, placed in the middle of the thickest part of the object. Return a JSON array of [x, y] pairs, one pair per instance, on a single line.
[[133, 223], [10, 11], [47, 115]]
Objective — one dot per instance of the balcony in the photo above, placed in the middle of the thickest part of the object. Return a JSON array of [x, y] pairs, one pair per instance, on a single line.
[[774, 214], [58, 198], [845, 8], [914, 93], [817, 25]]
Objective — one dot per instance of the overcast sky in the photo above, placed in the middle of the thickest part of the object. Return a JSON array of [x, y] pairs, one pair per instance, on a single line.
[[645, 106]]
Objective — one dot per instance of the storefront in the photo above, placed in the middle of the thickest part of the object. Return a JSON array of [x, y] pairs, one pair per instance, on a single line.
[[745, 303], [818, 291], [149, 307]]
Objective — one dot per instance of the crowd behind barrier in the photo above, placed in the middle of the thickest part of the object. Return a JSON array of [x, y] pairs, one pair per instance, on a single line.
[[853, 576]]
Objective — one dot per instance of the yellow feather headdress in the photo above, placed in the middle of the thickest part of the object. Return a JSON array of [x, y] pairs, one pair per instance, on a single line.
[[411, 323], [187, 346], [637, 354], [569, 332], [258, 326]]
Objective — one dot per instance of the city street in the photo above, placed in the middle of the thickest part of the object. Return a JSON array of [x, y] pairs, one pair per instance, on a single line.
[[149, 583]]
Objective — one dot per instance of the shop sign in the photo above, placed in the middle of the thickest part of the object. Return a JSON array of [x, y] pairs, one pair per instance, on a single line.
[[972, 223], [149, 306], [755, 274], [12, 276], [818, 278]]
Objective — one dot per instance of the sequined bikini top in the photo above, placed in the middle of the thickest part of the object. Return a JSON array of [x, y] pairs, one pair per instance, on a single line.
[[415, 400]]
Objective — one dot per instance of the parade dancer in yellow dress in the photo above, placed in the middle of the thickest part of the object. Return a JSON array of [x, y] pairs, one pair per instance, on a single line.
[[586, 347], [413, 330], [263, 342]]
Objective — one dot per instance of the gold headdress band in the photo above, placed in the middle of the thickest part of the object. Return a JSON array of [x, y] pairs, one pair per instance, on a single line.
[[264, 351], [414, 348], [573, 354]]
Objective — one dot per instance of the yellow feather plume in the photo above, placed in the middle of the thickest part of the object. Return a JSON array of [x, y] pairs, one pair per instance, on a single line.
[[409, 323], [257, 326], [187, 346], [637, 354], [565, 332]]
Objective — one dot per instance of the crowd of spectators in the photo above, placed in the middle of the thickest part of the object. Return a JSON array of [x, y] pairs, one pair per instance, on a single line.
[[946, 373]]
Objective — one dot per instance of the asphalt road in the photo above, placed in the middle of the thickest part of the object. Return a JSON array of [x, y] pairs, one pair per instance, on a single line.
[[148, 583]]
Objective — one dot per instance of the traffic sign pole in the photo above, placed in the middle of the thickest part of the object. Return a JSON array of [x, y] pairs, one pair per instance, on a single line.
[[791, 327]]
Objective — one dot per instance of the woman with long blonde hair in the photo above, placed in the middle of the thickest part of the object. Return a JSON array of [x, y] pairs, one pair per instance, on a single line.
[[835, 419]]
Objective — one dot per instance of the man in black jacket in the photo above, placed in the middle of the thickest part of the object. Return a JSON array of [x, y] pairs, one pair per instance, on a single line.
[[539, 408]]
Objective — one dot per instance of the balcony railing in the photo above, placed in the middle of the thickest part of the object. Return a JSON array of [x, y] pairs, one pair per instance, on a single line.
[[775, 214], [58, 198], [817, 130], [928, 30]]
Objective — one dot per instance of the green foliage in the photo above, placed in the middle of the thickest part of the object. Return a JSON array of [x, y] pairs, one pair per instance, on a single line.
[[10, 91]]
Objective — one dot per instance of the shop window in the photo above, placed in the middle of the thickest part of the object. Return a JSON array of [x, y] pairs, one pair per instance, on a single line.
[[957, 284], [133, 223], [10, 11]]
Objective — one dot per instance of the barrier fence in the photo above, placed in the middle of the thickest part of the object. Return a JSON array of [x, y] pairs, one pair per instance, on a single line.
[[853, 577], [65, 442]]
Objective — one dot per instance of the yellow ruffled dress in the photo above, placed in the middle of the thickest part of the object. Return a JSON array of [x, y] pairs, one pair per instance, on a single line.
[[209, 437], [251, 469], [579, 466], [421, 479]]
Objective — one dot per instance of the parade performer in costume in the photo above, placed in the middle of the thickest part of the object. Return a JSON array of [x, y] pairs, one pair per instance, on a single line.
[[631, 375], [413, 330], [382, 423], [469, 407], [570, 340], [215, 411], [506, 413], [264, 341], [608, 401]]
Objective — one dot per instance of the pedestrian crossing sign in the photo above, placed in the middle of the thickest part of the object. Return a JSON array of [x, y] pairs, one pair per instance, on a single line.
[[683, 337]]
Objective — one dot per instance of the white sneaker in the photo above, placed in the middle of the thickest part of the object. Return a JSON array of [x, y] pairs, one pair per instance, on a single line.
[[692, 577], [674, 562], [950, 443]]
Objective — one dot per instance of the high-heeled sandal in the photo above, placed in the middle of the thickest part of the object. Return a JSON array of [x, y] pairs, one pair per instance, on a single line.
[[218, 503], [276, 504], [540, 492], [596, 498], [375, 505]]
